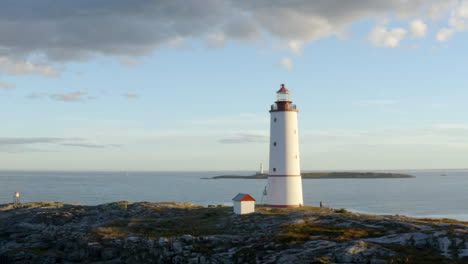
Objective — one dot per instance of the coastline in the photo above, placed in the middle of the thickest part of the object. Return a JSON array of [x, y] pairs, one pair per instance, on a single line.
[[324, 175]]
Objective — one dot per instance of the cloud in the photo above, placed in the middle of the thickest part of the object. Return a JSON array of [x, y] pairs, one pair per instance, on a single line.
[[36, 95], [64, 97], [130, 95], [382, 37], [89, 145], [444, 34], [129, 61], [418, 28], [438, 8], [10, 66], [18, 144], [439, 134], [242, 138], [286, 63], [296, 47], [6, 86], [454, 127], [237, 120], [36, 42], [71, 30], [458, 21], [382, 102], [33, 140], [216, 40], [83, 145], [69, 97]]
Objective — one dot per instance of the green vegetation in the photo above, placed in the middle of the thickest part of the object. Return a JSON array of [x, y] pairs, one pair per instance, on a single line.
[[278, 211], [197, 222], [34, 250], [342, 211], [299, 233], [444, 221], [409, 255], [259, 236], [322, 260]]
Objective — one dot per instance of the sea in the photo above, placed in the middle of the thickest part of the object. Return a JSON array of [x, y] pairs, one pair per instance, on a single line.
[[433, 193]]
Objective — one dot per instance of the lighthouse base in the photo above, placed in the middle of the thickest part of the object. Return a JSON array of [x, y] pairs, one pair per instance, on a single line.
[[284, 191], [284, 206]]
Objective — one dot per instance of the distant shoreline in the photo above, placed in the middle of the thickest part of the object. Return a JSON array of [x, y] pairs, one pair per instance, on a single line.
[[324, 175]]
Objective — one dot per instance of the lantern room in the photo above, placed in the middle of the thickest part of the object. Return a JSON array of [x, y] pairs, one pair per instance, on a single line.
[[283, 94], [283, 101]]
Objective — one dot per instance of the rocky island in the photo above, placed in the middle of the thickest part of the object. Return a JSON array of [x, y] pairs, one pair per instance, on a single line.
[[123, 232], [325, 175]]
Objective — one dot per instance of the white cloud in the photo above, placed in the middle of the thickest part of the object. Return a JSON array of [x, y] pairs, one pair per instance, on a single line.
[[216, 40], [418, 28], [296, 47], [69, 97], [24, 144], [129, 61], [130, 95], [232, 120], [437, 9], [9, 66], [242, 138], [444, 34], [433, 134], [6, 86], [129, 30], [457, 22], [286, 63], [462, 10], [382, 102], [382, 37], [138, 28], [453, 126], [36, 95]]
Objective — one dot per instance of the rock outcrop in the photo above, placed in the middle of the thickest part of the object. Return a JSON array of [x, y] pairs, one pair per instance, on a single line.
[[122, 232]]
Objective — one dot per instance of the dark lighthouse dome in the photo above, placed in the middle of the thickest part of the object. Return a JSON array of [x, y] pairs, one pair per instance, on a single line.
[[283, 89]]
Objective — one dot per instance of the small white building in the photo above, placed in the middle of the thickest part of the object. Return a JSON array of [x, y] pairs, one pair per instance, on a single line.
[[243, 204]]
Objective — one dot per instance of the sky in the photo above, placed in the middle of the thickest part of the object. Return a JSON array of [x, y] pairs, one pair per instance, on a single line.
[[180, 85]]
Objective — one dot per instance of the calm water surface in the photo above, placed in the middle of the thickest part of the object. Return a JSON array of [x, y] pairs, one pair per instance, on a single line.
[[428, 195]]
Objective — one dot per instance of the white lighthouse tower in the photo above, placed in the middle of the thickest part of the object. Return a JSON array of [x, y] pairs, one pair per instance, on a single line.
[[284, 180]]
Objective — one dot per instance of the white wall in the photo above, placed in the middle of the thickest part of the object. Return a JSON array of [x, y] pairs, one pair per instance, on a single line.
[[285, 190], [244, 207], [285, 155]]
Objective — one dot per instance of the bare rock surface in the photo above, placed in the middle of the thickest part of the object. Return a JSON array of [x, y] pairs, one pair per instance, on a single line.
[[124, 232]]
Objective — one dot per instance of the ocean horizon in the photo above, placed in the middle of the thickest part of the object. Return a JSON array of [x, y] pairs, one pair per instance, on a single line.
[[433, 193]]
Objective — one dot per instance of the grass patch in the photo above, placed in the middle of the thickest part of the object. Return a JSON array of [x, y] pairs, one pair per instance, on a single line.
[[409, 255], [275, 210], [298, 233], [322, 260], [34, 250], [111, 232], [342, 211], [196, 222], [443, 221]]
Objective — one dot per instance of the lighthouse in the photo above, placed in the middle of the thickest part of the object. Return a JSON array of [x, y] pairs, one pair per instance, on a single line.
[[284, 180]]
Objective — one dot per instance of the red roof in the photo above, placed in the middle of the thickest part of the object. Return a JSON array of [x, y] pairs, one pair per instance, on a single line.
[[243, 197], [283, 89]]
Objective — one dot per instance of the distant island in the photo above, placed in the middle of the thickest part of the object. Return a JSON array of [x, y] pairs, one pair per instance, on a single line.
[[325, 175]]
